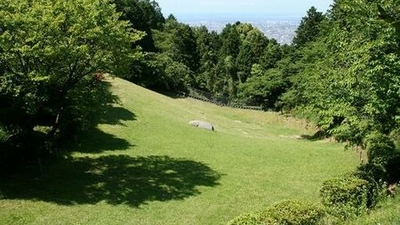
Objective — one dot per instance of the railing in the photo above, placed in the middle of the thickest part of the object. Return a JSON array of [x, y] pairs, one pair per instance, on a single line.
[[221, 101]]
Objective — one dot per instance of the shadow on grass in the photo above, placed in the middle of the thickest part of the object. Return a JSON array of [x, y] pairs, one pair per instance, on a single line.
[[116, 180], [97, 141], [319, 135], [115, 115]]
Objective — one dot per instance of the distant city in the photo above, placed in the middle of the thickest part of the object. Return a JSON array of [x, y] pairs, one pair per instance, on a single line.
[[279, 27]]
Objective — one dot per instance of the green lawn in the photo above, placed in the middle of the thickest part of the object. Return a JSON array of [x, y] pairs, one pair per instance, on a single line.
[[145, 165]]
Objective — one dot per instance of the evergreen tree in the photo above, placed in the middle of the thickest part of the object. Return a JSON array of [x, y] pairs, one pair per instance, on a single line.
[[309, 27]]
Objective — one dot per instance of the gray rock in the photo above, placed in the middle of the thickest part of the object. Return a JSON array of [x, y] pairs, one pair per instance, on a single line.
[[202, 124]]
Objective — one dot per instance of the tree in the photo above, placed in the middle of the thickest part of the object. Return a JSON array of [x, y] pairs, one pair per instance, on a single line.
[[309, 27], [208, 45], [53, 54], [391, 19], [230, 41], [144, 15], [263, 87], [272, 55], [251, 49], [351, 88], [178, 42]]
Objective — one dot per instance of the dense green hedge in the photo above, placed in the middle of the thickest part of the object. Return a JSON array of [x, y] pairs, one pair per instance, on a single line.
[[254, 218], [292, 212], [346, 196], [287, 212]]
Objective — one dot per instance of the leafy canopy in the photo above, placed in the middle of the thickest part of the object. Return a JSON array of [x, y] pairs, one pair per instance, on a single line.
[[50, 51]]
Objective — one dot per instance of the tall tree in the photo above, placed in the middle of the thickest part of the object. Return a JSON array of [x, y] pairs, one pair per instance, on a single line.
[[250, 51], [352, 88], [309, 27], [52, 53], [144, 15], [208, 45]]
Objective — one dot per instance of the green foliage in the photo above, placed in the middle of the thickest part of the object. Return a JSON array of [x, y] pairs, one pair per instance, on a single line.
[[177, 40], [382, 154], [345, 197], [375, 175], [292, 212], [263, 87], [388, 16], [349, 83], [53, 55], [287, 212], [144, 15], [250, 219], [251, 49], [208, 45], [230, 41], [309, 28], [380, 148]]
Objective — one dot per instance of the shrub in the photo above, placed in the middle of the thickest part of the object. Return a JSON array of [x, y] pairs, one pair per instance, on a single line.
[[382, 153], [345, 197], [373, 174], [291, 212], [380, 148], [254, 218], [283, 213]]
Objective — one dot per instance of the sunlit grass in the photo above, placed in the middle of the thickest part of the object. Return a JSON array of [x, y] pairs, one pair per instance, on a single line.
[[145, 165]]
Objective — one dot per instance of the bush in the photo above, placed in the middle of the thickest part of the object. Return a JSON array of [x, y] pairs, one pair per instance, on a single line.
[[382, 153], [291, 212], [283, 213], [373, 174], [380, 148], [345, 197], [254, 218]]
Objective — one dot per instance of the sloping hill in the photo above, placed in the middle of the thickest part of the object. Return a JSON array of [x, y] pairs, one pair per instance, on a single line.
[[145, 165]]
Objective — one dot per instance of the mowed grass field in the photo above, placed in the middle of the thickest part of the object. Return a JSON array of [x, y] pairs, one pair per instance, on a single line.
[[145, 165]]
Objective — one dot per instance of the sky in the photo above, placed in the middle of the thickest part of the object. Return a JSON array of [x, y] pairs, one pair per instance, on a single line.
[[241, 7]]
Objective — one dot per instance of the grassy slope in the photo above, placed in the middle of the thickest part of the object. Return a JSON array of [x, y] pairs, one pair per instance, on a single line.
[[173, 173]]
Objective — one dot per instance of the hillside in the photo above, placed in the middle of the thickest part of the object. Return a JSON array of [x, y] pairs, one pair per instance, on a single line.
[[145, 165]]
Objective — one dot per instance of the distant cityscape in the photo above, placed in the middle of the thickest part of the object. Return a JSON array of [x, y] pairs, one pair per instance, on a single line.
[[280, 28]]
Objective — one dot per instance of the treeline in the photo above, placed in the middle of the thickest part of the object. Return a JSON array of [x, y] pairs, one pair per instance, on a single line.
[[240, 64]]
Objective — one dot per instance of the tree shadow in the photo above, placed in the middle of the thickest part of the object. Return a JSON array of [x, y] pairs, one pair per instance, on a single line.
[[173, 94], [317, 136], [115, 115], [116, 180], [96, 141]]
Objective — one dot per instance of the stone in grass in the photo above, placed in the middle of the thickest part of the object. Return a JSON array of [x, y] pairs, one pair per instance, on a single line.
[[202, 124]]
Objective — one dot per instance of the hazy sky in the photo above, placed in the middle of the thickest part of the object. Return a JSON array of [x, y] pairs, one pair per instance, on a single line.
[[273, 7]]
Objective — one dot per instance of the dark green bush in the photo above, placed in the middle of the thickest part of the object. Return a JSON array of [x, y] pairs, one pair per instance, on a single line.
[[382, 153], [380, 148], [346, 196], [373, 174]]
